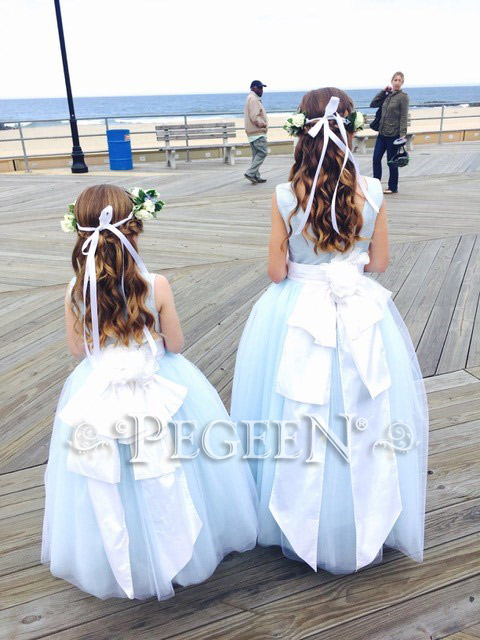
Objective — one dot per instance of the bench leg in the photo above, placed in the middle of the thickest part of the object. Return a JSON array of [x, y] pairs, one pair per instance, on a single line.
[[360, 145], [229, 155], [170, 158]]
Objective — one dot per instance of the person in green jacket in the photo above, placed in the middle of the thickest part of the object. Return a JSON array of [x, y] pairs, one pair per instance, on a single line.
[[393, 125]]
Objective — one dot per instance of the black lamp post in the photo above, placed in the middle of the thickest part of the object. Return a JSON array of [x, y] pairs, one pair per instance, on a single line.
[[78, 161]]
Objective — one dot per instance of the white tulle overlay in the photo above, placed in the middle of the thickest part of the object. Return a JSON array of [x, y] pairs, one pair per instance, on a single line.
[[122, 517], [123, 383], [328, 342]]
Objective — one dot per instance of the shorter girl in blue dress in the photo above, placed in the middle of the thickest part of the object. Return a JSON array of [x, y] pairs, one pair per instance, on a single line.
[[326, 362], [123, 516]]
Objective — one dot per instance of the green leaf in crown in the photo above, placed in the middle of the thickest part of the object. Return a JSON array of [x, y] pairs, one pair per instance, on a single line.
[[147, 203], [355, 121]]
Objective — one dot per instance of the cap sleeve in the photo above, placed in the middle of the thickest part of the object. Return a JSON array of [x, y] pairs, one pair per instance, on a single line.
[[375, 190], [151, 301], [286, 200], [70, 287]]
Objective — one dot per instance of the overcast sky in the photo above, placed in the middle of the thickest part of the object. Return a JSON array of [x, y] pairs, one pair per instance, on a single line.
[[149, 47]]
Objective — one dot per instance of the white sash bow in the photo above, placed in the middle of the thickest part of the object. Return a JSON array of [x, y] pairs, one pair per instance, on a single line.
[[334, 295], [337, 313], [122, 382]]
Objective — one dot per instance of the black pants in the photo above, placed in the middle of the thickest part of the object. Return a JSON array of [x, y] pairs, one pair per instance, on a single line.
[[382, 144]]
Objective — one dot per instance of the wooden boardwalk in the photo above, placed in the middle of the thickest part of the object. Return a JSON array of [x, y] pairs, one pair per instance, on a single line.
[[212, 245]]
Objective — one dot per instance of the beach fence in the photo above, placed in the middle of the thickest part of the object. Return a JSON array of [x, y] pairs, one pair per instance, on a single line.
[[47, 143]]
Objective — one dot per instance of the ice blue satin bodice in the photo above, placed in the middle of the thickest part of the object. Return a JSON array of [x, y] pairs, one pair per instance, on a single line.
[[300, 248]]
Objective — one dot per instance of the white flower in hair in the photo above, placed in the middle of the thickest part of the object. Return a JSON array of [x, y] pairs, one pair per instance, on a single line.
[[146, 203], [68, 224], [298, 120], [143, 214], [295, 123], [149, 205], [359, 121]]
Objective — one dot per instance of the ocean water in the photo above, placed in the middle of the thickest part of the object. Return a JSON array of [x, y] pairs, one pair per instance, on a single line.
[[127, 109]]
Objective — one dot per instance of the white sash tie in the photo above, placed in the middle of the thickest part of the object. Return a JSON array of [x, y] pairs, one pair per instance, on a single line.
[[337, 312]]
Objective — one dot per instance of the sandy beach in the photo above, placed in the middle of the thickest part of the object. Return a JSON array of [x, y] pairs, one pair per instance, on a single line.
[[143, 135]]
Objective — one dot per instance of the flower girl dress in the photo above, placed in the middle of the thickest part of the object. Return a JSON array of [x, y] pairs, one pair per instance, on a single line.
[[117, 528], [329, 342]]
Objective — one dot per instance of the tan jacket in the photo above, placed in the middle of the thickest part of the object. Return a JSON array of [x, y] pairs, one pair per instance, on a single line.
[[256, 121]]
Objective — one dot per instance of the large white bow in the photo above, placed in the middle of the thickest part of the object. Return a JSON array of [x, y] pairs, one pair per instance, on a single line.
[[328, 134], [335, 295], [337, 313], [123, 382]]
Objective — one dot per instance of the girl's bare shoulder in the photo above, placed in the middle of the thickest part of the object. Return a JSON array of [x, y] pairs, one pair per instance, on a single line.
[[162, 290]]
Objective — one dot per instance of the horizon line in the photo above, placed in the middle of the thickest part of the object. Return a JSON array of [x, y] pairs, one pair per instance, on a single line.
[[145, 95]]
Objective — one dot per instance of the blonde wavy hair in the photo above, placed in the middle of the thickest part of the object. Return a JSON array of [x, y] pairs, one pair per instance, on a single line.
[[308, 150], [110, 261]]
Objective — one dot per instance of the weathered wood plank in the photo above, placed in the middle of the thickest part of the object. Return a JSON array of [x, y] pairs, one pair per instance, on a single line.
[[426, 617], [212, 242], [432, 341], [455, 353], [341, 601]]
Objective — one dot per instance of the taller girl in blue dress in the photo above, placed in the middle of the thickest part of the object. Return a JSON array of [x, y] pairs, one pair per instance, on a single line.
[[326, 367], [123, 516]]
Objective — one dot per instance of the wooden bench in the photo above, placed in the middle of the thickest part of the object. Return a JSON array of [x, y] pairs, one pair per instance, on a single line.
[[169, 133], [360, 139]]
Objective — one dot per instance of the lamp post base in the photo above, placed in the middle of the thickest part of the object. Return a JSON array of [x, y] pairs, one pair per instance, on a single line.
[[78, 161]]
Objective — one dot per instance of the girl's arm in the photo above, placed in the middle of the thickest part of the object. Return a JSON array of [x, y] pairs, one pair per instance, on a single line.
[[74, 339], [378, 249], [277, 256], [169, 322]]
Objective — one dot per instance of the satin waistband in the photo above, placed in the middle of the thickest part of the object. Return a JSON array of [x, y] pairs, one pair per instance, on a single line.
[[304, 272]]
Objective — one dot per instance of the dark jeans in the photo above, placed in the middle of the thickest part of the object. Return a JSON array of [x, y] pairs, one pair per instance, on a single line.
[[383, 144]]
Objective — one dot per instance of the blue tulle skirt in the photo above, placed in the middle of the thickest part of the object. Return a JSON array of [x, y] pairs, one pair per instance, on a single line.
[[223, 493], [254, 398]]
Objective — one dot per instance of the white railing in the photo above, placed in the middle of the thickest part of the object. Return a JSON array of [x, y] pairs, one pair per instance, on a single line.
[[19, 128]]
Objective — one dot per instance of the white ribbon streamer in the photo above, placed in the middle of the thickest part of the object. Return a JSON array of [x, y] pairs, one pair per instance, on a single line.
[[338, 308], [89, 249], [328, 134]]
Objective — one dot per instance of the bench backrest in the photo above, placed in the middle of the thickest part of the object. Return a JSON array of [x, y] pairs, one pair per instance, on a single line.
[[201, 131]]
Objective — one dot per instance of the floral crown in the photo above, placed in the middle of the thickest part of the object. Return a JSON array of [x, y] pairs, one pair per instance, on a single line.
[[295, 123], [146, 202]]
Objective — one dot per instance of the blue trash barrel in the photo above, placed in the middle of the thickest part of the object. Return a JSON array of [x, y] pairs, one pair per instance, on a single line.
[[119, 149]]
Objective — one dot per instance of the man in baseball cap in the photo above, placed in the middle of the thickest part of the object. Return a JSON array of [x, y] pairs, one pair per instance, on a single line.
[[256, 126]]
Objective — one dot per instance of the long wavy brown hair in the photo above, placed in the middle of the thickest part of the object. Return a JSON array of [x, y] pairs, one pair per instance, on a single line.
[[113, 319], [308, 150]]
